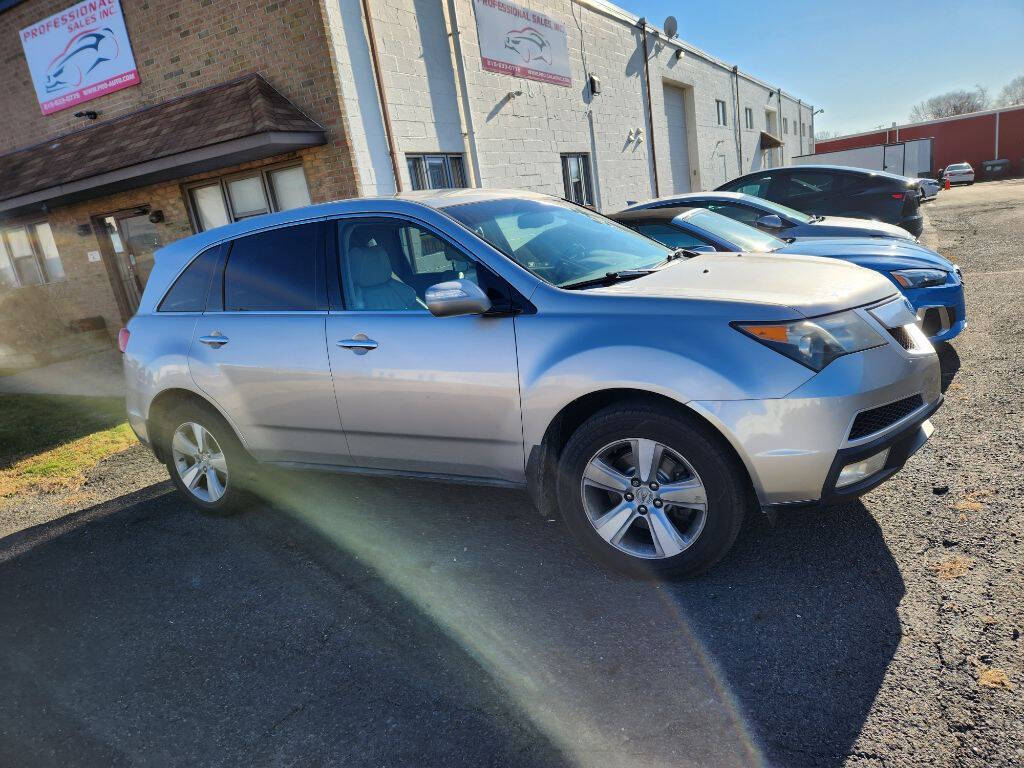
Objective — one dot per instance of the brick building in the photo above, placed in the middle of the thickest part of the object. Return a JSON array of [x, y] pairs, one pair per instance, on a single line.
[[233, 109]]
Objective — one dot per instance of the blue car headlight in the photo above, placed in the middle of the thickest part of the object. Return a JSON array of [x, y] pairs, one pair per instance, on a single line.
[[920, 278]]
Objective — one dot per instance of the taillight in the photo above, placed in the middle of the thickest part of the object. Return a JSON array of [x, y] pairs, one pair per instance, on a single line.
[[122, 339], [897, 195]]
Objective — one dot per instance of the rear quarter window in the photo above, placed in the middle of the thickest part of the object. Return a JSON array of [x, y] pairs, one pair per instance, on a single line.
[[190, 290]]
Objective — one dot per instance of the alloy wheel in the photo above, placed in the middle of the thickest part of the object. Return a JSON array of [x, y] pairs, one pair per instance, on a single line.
[[200, 462], [644, 498]]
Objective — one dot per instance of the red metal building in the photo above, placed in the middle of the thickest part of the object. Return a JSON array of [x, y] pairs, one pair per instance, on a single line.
[[997, 134]]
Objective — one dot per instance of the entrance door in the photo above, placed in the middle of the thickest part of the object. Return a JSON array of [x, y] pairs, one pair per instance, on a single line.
[[678, 153], [893, 158], [128, 240]]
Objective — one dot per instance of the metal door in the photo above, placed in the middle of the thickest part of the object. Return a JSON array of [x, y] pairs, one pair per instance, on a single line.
[[892, 159], [678, 152]]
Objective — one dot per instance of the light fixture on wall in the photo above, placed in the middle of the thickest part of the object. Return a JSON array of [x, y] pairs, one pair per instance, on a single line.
[[84, 230], [679, 53], [595, 84], [156, 216], [92, 114]]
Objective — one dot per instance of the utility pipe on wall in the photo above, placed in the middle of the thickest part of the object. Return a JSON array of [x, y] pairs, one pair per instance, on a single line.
[[375, 59], [650, 110], [466, 108], [736, 130]]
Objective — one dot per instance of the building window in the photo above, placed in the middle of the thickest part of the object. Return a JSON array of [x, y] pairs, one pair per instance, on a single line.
[[785, 125], [803, 129], [436, 171], [576, 177], [216, 202], [748, 114], [720, 109], [29, 256]]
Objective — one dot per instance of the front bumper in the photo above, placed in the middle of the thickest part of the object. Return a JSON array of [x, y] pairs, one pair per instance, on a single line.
[[791, 445], [950, 297]]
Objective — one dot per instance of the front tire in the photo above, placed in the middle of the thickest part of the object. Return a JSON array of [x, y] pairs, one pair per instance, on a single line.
[[204, 458], [647, 491]]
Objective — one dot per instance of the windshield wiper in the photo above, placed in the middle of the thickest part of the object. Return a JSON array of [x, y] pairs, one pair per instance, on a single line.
[[817, 218], [609, 278]]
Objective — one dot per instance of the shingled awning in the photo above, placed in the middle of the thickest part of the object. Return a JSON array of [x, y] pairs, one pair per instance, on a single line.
[[234, 122], [769, 142]]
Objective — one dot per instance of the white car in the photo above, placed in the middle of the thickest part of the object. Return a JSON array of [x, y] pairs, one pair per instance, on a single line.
[[929, 188], [959, 173]]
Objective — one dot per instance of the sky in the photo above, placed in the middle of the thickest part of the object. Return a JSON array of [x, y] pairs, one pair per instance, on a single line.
[[866, 62]]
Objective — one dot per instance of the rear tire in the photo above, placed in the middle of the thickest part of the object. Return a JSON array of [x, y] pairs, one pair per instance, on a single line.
[[610, 505], [205, 460]]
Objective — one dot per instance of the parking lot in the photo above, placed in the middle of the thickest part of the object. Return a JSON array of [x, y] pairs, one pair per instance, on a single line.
[[356, 621]]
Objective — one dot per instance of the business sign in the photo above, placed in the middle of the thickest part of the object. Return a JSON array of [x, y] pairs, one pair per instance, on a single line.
[[517, 41], [79, 54]]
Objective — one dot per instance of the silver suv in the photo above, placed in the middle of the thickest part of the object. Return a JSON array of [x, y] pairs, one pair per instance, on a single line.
[[649, 396]]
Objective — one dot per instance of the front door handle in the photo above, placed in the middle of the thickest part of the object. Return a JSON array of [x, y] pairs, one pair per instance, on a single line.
[[359, 344], [216, 340]]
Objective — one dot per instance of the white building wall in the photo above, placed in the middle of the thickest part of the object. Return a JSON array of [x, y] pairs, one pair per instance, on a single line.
[[523, 126]]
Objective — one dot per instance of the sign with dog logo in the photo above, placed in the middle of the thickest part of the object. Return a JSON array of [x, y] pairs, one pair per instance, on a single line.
[[517, 41], [79, 54]]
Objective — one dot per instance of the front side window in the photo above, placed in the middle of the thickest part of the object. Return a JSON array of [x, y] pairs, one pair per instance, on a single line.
[[576, 178], [387, 265], [217, 202], [720, 112], [748, 113], [668, 234], [559, 242], [29, 256], [274, 271], [436, 171]]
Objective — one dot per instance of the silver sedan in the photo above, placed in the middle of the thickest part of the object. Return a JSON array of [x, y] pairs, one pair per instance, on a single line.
[[650, 397]]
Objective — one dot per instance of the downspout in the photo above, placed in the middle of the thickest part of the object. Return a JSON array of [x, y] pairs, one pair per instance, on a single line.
[[465, 107], [737, 131], [375, 59], [800, 118], [642, 23], [778, 126], [995, 156]]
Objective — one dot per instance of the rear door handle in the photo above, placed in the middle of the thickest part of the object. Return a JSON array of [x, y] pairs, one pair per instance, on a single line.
[[360, 344], [216, 340]]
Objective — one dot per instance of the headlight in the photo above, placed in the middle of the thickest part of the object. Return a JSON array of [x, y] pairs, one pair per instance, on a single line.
[[816, 342], [919, 278]]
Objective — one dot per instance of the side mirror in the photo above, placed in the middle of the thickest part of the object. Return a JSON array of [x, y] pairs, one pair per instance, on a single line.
[[456, 297], [769, 221]]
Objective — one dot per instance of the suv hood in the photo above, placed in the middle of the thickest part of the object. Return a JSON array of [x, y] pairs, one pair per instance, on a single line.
[[863, 226], [810, 285], [868, 251]]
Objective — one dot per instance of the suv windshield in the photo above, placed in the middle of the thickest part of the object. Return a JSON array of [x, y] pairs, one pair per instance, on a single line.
[[742, 236], [558, 242], [783, 210]]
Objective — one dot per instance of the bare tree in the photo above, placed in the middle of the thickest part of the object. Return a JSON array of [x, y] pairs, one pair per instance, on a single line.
[[824, 135], [948, 104], [1012, 93]]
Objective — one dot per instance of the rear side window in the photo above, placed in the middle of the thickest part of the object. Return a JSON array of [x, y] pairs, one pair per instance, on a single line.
[[189, 292], [273, 271], [669, 235], [758, 187]]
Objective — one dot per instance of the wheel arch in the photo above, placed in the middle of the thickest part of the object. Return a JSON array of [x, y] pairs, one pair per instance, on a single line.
[[542, 462], [169, 399]]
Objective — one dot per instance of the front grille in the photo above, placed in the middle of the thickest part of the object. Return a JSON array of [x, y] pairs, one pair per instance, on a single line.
[[877, 419], [903, 338]]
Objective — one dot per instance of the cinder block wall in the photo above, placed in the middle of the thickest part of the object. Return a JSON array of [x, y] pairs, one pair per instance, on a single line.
[[522, 126]]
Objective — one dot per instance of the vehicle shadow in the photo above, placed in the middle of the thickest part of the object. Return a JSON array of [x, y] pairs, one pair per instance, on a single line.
[[370, 621], [949, 363]]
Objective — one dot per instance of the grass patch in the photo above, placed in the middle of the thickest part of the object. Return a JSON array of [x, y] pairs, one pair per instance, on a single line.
[[47, 442], [33, 424]]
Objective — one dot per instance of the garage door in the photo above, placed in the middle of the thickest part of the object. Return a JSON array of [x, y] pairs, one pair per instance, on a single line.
[[678, 155]]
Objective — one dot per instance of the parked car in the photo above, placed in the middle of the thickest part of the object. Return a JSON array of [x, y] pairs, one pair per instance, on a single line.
[[778, 219], [958, 173], [929, 188], [514, 339], [931, 283], [835, 190]]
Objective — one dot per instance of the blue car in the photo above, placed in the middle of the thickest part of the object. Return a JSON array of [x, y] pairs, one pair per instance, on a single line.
[[930, 282]]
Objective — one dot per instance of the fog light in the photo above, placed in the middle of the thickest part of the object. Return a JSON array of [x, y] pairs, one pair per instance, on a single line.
[[859, 470]]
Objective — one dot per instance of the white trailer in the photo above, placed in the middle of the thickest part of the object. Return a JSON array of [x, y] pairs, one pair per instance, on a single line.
[[906, 158]]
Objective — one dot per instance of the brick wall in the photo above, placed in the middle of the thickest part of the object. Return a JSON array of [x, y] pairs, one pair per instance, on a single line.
[[185, 45]]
